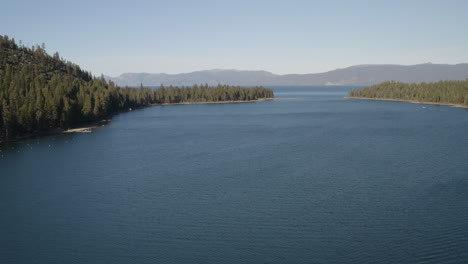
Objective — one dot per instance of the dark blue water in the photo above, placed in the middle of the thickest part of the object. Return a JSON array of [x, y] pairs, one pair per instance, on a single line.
[[313, 178]]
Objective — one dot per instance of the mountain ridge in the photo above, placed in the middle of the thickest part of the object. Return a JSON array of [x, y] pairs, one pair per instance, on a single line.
[[364, 74]]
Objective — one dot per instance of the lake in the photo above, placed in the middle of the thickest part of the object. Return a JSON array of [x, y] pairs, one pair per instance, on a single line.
[[312, 178]]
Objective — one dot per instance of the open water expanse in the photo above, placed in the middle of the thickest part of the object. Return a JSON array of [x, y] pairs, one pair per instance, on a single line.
[[313, 178]]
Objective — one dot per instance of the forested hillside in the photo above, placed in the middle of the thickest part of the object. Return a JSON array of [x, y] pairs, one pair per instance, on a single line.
[[39, 92], [446, 92]]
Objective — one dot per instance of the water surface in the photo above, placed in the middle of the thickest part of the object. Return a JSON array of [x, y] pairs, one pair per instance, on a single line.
[[314, 178]]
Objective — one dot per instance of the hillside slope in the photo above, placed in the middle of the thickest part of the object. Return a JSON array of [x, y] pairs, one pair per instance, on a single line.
[[39, 93]]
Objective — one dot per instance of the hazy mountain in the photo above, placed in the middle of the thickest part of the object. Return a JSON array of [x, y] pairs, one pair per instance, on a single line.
[[354, 75]]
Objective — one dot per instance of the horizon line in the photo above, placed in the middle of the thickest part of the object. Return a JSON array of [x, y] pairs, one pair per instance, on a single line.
[[250, 70]]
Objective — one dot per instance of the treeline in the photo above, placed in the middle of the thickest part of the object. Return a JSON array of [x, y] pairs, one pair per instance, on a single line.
[[447, 92], [39, 92]]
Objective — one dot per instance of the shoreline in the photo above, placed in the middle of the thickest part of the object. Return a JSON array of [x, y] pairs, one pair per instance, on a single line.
[[88, 127], [97, 124], [103, 122], [221, 102], [407, 101], [56, 131]]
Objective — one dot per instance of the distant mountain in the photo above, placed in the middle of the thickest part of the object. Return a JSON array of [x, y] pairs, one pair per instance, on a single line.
[[41, 94], [355, 75]]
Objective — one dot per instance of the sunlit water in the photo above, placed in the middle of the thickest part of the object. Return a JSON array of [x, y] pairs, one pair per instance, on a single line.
[[314, 178]]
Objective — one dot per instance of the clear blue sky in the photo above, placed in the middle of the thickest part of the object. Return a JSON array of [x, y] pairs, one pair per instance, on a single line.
[[112, 37]]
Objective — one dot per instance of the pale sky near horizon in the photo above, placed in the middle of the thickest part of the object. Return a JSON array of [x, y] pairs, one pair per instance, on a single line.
[[113, 37]]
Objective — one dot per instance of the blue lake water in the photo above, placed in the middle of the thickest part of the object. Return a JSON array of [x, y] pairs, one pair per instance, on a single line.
[[313, 178]]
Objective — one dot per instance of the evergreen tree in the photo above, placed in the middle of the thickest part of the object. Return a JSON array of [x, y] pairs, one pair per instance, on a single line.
[[39, 92], [447, 92]]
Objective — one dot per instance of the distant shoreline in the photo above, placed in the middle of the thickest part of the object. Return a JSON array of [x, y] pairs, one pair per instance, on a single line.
[[407, 101], [101, 123], [104, 122], [220, 102]]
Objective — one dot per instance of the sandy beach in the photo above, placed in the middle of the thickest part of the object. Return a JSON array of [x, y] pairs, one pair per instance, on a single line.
[[88, 127]]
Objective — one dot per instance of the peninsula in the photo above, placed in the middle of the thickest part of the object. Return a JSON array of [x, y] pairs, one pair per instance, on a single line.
[[42, 94], [452, 93]]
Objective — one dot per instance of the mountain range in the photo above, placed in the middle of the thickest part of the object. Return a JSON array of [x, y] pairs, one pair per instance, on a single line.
[[355, 75]]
